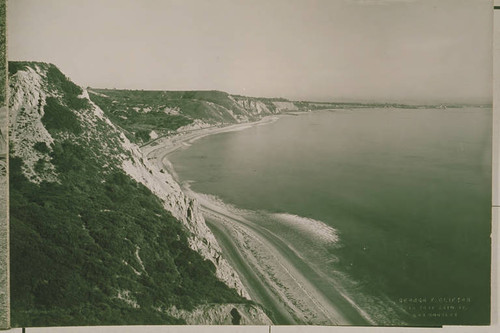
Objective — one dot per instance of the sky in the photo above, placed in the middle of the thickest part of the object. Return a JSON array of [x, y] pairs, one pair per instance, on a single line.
[[410, 51]]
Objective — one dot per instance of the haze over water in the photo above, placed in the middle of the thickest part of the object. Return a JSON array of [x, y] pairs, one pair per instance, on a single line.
[[408, 193]]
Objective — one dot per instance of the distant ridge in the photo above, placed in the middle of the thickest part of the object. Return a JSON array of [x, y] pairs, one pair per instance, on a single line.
[[146, 114]]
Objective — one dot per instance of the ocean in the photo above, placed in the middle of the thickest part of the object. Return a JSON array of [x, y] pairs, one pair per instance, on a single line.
[[394, 205]]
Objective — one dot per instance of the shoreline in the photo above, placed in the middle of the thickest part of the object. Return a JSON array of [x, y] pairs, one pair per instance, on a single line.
[[170, 143], [160, 148], [280, 278], [273, 273]]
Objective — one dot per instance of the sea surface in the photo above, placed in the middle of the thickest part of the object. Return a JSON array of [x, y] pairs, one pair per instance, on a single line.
[[403, 195]]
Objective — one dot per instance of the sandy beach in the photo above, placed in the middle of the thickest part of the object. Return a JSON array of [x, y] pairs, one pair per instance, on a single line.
[[273, 272]]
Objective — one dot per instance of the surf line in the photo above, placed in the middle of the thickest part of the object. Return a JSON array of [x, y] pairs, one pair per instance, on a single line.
[[310, 304]]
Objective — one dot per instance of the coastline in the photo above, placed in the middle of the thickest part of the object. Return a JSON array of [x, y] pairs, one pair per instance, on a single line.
[[273, 273], [170, 143]]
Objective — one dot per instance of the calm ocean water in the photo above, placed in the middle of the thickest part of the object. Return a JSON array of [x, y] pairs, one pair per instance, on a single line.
[[407, 191]]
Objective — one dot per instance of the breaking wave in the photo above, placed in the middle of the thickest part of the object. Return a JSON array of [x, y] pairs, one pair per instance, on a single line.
[[312, 229], [317, 230]]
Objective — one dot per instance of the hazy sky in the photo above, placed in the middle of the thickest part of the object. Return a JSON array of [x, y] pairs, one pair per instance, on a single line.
[[381, 50]]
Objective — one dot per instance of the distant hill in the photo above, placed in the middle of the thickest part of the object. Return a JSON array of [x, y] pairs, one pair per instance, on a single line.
[[142, 114]]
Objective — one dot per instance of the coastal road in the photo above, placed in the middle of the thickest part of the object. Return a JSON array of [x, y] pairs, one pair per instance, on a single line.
[[276, 276], [258, 291]]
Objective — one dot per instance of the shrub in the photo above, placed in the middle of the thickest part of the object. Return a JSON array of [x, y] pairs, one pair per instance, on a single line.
[[58, 79], [58, 117], [143, 135], [70, 90], [41, 147], [15, 66], [69, 241]]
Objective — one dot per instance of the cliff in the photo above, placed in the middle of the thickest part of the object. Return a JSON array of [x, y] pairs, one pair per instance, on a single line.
[[227, 314], [99, 234]]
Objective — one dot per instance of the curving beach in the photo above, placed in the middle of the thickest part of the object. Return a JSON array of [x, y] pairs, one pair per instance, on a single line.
[[326, 218], [274, 272]]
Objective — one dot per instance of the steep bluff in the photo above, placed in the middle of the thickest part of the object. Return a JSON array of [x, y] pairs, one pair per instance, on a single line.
[[140, 112], [185, 209], [76, 174], [27, 96]]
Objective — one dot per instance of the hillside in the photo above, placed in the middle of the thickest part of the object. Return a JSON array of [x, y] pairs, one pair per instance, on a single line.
[[98, 235], [144, 115]]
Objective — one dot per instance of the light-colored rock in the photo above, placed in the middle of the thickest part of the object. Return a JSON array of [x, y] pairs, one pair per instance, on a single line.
[[223, 314], [253, 106], [285, 106], [27, 100], [153, 135]]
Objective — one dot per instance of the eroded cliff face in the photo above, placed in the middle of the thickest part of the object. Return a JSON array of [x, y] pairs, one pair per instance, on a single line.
[[30, 89], [187, 210], [285, 106], [254, 107], [224, 314], [27, 98]]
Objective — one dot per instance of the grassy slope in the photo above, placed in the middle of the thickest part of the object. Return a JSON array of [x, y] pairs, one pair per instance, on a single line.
[[69, 241], [137, 124]]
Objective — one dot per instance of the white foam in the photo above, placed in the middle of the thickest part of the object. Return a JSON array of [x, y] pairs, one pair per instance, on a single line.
[[316, 229]]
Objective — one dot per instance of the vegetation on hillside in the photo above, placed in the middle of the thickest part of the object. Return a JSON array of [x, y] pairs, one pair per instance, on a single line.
[[59, 117], [15, 66], [70, 242], [139, 112], [96, 248]]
